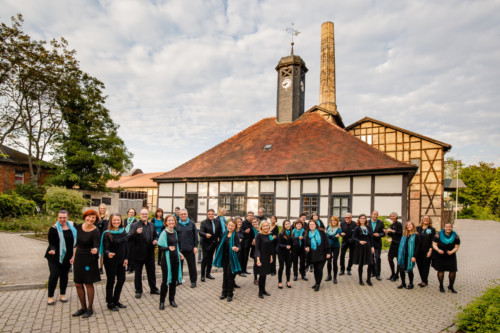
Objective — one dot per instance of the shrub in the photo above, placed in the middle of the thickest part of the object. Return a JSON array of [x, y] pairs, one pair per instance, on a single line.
[[14, 205], [476, 212], [59, 197], [482, 314], [32, 192]]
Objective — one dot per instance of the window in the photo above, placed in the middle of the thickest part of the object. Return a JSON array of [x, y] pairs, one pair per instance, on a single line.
[[19, 177], [416, 161], [96, 202], [340, 205], [367, 138], [309, 204], [267, 202], [233, 203], [106, 201]]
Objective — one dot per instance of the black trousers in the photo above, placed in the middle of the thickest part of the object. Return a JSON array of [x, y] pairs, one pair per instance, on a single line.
[[59, 272], [318, 271], [206, 261], [245, 255], [228, 281], [174, 263], [114, 270], [262, 283], [347, 245], [285, 262], [296, 255], [190, 257], [150, 271], [377, 265], [402, 275], [423, 264], [333, 259]]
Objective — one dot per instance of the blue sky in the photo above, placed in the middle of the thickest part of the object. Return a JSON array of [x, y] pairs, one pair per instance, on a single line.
[[184, 75]]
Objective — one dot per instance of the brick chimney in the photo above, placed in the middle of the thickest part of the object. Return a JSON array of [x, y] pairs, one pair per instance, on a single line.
[[327, 98]]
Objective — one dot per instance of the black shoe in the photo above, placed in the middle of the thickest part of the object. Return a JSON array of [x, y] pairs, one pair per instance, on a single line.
[[173, 304], [452, 290], [401, 286], [304, 278], [193, 285], [441, 289], [379, 278], [79, 312], [236, 286], [295, 278], [162, 306], [243, 275], [51, 303], [247, 272], [261, 295], [316, 288], [288, 285], [210, 276], [112, 307], [329, 278], [361, 283], [120, 305], [100, 272], [390, 278], [155, 292], [280, 287], [410, 286], [266, 293], [138, 295], [202, 279], [369, 283], [88, 313], [230, 298], [334, 281], [63, 300], [177, 283], [222, 296], [348, 272], [341, 273]]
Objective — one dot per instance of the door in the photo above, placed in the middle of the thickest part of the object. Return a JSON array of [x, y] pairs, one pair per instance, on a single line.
[[192, 206]]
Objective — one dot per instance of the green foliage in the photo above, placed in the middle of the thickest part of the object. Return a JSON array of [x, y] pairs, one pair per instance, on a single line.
[[14, 205], [38, 224], [385, 244], [59, 197], [482, 314], [477, 213], [32, 192]]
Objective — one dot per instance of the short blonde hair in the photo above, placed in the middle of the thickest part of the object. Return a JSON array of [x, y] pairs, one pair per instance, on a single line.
[[262, 223], [422, 220]]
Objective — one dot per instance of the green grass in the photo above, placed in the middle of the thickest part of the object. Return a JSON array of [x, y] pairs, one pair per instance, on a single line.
[[39, 224]]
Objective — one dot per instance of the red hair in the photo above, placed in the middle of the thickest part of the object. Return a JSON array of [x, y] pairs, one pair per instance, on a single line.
[[90, 212]]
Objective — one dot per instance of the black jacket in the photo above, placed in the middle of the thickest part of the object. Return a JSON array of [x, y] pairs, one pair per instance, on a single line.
[[53, 238], [321, 251], [348, 229], [379, 228], [207, 228], [187, 236], [141, 245]]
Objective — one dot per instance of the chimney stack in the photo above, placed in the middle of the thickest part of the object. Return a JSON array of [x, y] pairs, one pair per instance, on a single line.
[[327, 99]]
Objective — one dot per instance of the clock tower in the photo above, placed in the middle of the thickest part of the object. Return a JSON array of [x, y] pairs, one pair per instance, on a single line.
[[291, 87]]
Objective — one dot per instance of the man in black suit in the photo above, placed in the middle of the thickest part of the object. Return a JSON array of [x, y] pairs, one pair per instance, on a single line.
[[248, 236], [347, 243], [143, 238], [211, 234], [377, 229]]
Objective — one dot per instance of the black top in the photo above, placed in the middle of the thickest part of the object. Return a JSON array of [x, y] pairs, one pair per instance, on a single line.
[[207, 227], [426, 237], [283, 242], [187, 236], [275, 232], [85, 241], [142, 244], [102, 225], [348, 230], [247, 237], [171, 241], [321, 250], [225, 248], [117, 244], [264, 250], [398, 232], [297, 243], [358, 235], [53, 238], [379, 228]]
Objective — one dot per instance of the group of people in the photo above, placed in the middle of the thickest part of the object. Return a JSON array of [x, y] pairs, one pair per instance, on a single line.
[[129, 245]]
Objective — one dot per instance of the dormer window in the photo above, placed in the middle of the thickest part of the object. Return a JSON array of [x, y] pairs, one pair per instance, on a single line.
[[267, 147]]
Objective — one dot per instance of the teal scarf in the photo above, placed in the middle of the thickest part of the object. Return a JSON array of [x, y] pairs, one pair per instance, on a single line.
[[62, 241], [184, 223], [271, 237], [401, 252], [113, 232], [364, 231], [288, 232], [234, 262], [315, 238], [447, 239], [331, 232], [162, 241], [374, 225], [130, 220], [255, 232], [297, 234], [223, 222]]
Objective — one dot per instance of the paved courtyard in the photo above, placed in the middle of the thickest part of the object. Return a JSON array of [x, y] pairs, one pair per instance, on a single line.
[[345, 306]]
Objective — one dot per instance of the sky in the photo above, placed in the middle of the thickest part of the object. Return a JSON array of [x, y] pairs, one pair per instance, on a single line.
[[182, 76]]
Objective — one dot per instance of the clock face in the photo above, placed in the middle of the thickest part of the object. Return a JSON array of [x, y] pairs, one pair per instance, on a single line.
[[302, 86], [286, 83]]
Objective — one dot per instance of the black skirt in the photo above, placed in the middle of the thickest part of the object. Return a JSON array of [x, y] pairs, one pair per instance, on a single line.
[[85, 267], [363, 254]]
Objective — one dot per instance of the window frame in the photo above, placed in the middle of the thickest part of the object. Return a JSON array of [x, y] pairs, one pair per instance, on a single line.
[[302, 206], [266, 205], [232, 203], [341, 196]]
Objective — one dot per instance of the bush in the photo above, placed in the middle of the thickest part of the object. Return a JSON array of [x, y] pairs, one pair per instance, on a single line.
[[482, 314], [476, 212], [14, 205], [60, 197], [33, 192]]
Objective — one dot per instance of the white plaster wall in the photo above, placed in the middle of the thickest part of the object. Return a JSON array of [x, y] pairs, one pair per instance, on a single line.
[[253, 190], [362, 185], [323, 206], [225, 187], [192, 188], [179, 189], [294, 208], [239, 187], [203, 189], [213, 203], [253, 205], [201, 217], [202, 205], [166, 205], [387, 205], [282, 189], [389, 184], [267, 187], [213, 190], [360, 205], [341, 185], [179, 202], [325, 185], [165, 190], [310, 186], [281, 207], [295, 188]]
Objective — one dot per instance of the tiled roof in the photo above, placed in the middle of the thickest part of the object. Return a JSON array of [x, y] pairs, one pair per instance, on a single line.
[[310, 145], [139, 180], [12, 156]]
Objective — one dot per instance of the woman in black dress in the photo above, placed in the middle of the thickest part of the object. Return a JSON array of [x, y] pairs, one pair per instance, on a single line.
[[427, 233], [298, 251], [395, 230], [239, 222], [407, 251], [131, 213], [171, 271], [275, 231], [264, 251], [102, 225], [334, 232], [284, 250], [85, 262], [227, 258], [318, 250], [444, 258], [62, 239], [254, 232], [114, 249], [364, 250]]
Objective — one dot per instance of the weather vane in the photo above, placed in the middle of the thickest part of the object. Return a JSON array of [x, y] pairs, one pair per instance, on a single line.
[[292, 32]]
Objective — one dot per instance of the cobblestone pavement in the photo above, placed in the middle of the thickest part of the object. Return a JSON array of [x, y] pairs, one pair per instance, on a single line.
[[345, 306]]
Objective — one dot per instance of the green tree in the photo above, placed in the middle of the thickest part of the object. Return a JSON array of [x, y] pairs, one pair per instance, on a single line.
[[494, 200], [478, 179]]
